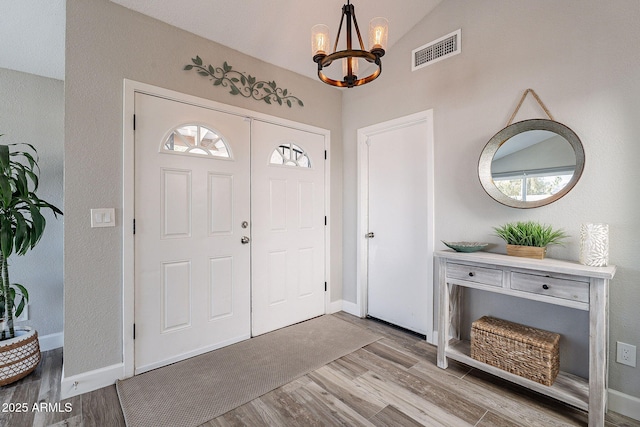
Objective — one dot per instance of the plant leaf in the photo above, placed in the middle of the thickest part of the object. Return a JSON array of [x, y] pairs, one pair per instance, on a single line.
[[4, 156], [6, 237]]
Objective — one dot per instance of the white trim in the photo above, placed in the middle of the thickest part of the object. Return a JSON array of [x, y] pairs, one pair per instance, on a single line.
[[51, 341], [351, 308], [363, 135], [334, 307], [624, 404], [130, 88], [128, 250], [90, 381]]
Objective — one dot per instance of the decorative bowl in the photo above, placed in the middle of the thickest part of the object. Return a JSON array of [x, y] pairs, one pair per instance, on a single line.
[[466, 246]]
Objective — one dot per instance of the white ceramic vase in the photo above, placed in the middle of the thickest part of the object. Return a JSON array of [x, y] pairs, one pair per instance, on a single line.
[[594, 244]]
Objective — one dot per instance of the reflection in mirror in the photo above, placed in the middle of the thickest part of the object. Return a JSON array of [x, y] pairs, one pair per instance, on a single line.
[[531, 163]]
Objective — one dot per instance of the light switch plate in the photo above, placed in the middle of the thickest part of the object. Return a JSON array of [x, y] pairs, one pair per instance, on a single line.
[[104, 217]]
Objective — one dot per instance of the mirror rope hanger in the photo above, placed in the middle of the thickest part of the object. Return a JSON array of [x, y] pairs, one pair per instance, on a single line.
[[524, 95]]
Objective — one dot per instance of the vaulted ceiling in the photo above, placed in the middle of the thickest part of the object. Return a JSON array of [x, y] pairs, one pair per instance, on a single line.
[[275, 31]]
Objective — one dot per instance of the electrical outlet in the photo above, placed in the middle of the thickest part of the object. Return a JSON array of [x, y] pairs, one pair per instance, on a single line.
[[626, 354]]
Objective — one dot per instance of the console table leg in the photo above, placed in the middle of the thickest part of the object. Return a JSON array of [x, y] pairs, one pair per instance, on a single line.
[[598, 353], [444, 319]]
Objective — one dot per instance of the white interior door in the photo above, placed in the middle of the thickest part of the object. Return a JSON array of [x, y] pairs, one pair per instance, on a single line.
[[288, 221], [399, 202], [192, 195]]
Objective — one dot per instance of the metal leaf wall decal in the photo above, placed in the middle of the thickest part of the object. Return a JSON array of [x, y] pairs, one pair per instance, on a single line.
[[243, 84]]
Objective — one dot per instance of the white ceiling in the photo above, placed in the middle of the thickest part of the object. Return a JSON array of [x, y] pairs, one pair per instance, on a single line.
[[32, 36], [275, 31]]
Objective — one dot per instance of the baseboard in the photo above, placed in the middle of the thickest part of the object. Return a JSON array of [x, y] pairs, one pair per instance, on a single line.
[[624, 404], [90, 381], [434, 338], [334, 307], [351, 308], [51, 341]]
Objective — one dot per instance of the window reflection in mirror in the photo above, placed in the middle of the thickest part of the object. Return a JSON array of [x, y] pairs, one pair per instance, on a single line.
[[533, 165]]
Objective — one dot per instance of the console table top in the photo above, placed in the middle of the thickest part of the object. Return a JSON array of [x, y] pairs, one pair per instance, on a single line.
[[547, 264]]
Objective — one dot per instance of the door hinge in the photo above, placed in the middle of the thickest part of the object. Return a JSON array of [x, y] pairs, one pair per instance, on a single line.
[[325, 286], [134, 122], [325, 220], [325, 154], [134, 331], [134, 226]]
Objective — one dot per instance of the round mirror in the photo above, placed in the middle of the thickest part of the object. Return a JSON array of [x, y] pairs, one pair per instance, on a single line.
[[531, 163]]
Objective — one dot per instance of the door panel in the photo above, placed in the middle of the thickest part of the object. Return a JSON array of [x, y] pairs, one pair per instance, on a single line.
[[398, 269], [288, 226], [192, 273]]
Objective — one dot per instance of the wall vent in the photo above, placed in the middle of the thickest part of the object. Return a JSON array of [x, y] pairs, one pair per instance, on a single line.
[[436, 50]]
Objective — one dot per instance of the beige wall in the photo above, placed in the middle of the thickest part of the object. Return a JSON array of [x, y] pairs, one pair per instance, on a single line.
[[32, 111], [105, 44], [579, 56]]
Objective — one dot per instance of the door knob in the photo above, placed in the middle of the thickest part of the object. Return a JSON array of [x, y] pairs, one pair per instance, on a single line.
[[245, 240], [370, 235]]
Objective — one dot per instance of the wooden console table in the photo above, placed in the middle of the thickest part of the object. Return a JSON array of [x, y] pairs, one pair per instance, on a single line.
[[552, 281]]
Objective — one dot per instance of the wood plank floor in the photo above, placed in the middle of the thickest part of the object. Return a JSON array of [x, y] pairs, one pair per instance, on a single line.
[[392, 382]]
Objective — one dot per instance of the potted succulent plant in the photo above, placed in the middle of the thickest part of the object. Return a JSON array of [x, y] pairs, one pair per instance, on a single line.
[[529, 239], [21, 227]]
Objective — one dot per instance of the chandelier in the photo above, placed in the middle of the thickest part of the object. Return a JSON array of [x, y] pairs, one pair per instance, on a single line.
[[378, 32]]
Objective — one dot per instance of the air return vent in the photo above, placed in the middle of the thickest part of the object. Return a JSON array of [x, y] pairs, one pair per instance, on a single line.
[[437, 50]]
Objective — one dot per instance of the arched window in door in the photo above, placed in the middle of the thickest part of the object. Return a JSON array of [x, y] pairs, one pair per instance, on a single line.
[[290, 154], [196, 140]]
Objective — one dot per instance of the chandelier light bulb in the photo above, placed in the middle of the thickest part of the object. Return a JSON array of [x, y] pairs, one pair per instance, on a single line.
[[319, 39], [354, 66], [378, 33]]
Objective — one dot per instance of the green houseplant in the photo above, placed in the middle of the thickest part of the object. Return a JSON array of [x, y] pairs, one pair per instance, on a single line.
[[21, 228], [530, 238]]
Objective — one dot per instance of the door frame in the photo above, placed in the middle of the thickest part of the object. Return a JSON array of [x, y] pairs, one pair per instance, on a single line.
[[362, 251], [130, 88]]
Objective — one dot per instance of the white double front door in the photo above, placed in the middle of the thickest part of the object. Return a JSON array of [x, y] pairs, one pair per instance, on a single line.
[[229, 219]]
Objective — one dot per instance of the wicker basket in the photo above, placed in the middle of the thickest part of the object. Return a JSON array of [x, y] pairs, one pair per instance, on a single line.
[[19, 356], [528, 352]]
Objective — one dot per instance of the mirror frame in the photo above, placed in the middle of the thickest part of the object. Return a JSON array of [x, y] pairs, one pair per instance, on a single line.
[[486, 157]]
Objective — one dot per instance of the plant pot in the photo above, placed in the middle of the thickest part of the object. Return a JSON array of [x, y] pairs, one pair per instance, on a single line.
[[19, 356], [535, 252]]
